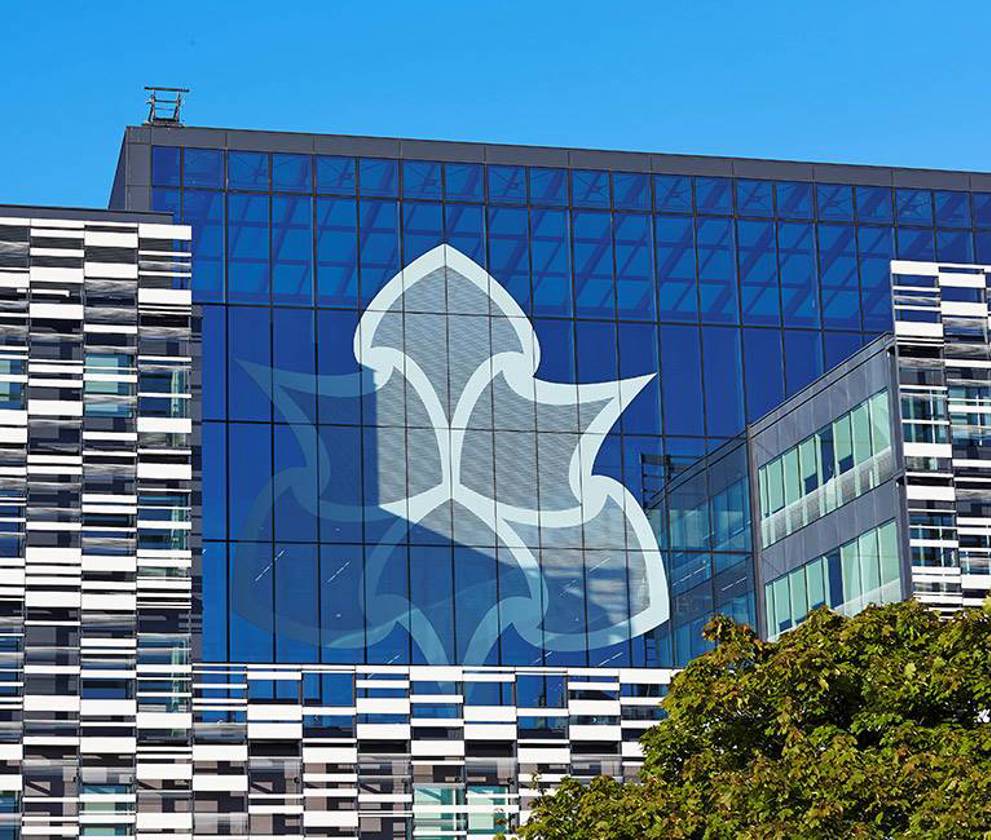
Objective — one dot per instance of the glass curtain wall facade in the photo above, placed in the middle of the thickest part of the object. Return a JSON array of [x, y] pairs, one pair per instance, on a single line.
[[738, 291]]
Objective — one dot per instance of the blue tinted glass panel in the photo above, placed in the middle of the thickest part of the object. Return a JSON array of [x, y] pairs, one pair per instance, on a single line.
[[557, 349], [797, 264], [247, 238], [717, 271], [340, 481], [247, 170], [838, 276], [423, 228], [635, 294], [673, 193], [677, 287], [294, 352], [250, 464], [378, 228], [463, 182], [292, 249], [754, 198], [215, 622], [297, 629], [204, 211], [509, 254], [386, 593], [335, 175], [835, 202], [165, 166], [952, 209], [337, 368], [552, 294], [292, 173], [337, 252], [839, 347], [714, 195], [794, 199], [765, 371], [876, 252], [915, 244], [421, 179], [203, 168], [342, 607], [598, 357], [214, 363], [295, 480], [954, 246], [378, 177], [803, 359], [594, 288], [983, 246], [214, 455], [982, 209], [914, 207], [251, 598], [722, 379], [507, 184], [758, 273], [681, 380], [549, 186], [431, 572], [874, 204], [631, 191], [249, 366], [638, 356], [166, 200], [475, 591], [590, 188], [464, 228]]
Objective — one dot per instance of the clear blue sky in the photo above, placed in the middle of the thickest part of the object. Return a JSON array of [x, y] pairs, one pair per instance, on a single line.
[[902, 83]]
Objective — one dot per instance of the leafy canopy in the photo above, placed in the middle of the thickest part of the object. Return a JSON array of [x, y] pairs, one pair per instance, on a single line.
[[868, 727]]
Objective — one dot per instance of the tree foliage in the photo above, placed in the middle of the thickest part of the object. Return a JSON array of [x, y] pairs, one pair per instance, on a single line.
[[868, 727]]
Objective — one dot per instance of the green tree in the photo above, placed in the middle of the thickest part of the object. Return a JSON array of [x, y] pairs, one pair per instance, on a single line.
[[868, 727]]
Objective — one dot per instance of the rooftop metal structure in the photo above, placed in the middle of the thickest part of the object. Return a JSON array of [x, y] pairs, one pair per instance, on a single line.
[[164, 105]]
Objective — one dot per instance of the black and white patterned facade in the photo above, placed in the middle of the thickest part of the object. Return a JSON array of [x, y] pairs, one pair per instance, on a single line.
[[944, 371]]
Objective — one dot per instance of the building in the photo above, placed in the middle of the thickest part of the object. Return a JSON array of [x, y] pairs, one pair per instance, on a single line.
[[488, 434]]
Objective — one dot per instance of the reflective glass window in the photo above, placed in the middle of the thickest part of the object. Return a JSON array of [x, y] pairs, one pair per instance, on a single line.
[[335, 175], [594, 287], [915, 244], [764, 369], [507, 184], [874, 204], [250, 594], [297, 629], [673, 193], [758, 263], [631, 191], [717, 271], [247, 170], [165, 166], [423, 228], [214, 583], [681, 380], [840, 346], [952, 208], [463, 182], [793, 199], [799, 282], [954, 246], [249, 365], [590, 188], [635, 293], [422, 179], [803, 359], [714, 195], [638, 356], [214, 363], [294, 471], [292, 249], [509, 252], [339, 468], [552, 292], [250, 464], [835, 202], [203, 168], [337, 251], [165, 200], [876, 248], [432, 593], [342, 616], [838, 276], [378, 177], [294, 361], [677, 287], [475, 591], [378, 227], [338, 369], [464, 228], [722, 380], [214, 454], [982, 245], [754, 198], [914, 207], [247, 238], [292, 173], [982, 209], [203, 210], [548, 186]]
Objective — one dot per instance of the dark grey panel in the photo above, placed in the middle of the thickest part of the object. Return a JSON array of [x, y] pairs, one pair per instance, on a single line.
[[526, 155], [431, 150], [688, 165], [871, 176], [204, 138], [773, 169], [931, 179], [139, 165], [629, 161], [263, 141]]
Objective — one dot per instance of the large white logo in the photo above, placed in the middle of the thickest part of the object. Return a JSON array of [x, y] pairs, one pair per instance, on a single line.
[[472, 448]]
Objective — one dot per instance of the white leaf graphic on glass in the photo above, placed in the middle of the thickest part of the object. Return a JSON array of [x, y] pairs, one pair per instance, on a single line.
[[471, 448]]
